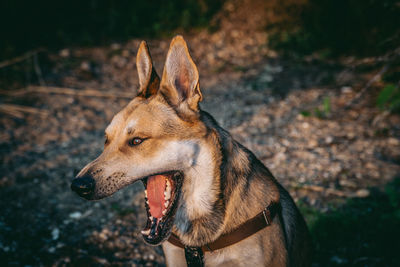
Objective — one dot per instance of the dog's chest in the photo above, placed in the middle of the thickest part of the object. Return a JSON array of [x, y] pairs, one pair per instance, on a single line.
[[245, 254]]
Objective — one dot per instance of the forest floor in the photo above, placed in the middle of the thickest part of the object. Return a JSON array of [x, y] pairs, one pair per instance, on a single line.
[[313, 122]]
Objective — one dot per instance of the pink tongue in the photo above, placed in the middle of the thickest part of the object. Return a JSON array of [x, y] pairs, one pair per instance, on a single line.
[[155, 194]]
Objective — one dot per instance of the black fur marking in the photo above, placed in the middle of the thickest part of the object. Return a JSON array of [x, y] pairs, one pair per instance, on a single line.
[[230, 175], [204, 228], [182, 222]]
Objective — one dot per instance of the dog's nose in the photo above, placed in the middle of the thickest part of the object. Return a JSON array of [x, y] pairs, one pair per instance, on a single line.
[[83, 186]]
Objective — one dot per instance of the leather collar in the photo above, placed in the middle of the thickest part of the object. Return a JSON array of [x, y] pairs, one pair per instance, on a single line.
[[248, 228]]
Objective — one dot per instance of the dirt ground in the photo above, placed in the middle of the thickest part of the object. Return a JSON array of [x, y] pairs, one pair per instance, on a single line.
[[313, 122]]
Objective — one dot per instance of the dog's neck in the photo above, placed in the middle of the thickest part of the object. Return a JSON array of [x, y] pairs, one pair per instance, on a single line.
[[199, 216], [225, 187]]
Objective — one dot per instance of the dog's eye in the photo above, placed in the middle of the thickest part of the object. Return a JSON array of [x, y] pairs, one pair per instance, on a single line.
[[106, 139], [135, 141]]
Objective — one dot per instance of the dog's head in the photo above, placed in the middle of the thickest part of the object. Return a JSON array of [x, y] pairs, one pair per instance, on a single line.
[[153, 139]]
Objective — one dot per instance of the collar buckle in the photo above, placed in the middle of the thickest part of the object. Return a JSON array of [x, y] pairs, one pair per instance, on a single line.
[[267, 216]]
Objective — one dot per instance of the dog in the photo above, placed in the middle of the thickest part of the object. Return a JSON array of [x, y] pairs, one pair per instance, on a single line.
[[200, 184]]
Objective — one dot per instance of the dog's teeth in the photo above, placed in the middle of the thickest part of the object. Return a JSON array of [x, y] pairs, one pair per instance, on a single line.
[[145, 193], [166, 204], [147, 202], [164, 212], [146, 232], [167, 192], [151, 218]]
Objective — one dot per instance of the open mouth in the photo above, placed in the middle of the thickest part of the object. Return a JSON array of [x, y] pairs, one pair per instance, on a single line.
[[161, 193]]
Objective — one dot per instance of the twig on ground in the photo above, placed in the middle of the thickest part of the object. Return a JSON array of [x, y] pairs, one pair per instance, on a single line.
[[38, 71], [66, 91], [12, 112], [328, 191], [19, 59], [18, 111], [388, 58], [368, 85]]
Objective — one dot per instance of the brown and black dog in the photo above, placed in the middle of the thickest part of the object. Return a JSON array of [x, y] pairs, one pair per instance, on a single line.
[[199, 182]]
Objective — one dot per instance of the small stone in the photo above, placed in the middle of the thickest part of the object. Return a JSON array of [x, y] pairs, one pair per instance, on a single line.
[[280, 156], [305, 125], [351, 135], [285, 142], [85, 66], [75, 215], [119, 61], [103, 236], [393, 141], [347, 183], [126, 53], [115, 46], [362, 193], [312, 143], [329, 139], [346, 89], [338, 260], [65, 53], [370, 166], [55, 234]]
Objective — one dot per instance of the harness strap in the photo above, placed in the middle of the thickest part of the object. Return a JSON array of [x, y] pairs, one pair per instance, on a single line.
[[248, 228]]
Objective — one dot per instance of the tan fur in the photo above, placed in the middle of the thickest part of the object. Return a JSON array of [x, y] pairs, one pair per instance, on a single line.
[[148, 78], [224, 184]]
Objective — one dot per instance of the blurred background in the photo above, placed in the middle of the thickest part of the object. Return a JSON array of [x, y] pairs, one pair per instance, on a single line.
[[312, 87]]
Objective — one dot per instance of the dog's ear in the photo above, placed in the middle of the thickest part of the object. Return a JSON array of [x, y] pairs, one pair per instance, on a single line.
[[148, 79], [180, 80]]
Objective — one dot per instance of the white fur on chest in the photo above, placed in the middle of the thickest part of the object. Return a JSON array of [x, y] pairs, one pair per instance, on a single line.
[[198, 187]]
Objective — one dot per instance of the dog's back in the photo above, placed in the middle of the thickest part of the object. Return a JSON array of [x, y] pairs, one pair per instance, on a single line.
[[298, 241]]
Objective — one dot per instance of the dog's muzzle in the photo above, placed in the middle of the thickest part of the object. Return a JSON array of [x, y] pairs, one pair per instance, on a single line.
[[83, 186]]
